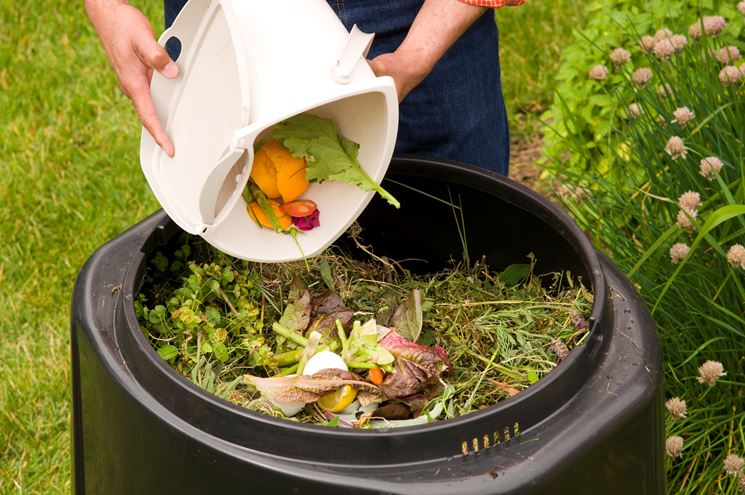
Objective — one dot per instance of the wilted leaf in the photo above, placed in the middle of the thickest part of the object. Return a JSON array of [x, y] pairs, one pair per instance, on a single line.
[[297, 312], [306, 389], [325, 324], [509, 390], [387, 306], [408, 316], [392, 410], [416, 366], [326, 303]]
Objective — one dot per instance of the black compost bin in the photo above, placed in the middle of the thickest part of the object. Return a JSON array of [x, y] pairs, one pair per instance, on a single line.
[[593, 425]]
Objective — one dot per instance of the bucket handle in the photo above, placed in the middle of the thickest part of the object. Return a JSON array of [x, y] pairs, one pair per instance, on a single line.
[[357, 46]]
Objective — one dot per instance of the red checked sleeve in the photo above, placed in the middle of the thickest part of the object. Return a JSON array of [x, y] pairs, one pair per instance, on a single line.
[[494, 3]]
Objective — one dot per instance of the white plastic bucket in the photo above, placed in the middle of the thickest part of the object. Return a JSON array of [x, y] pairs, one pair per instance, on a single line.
[[246, 65]]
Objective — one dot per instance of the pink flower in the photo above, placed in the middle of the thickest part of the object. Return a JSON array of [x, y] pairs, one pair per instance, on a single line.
[[741, 7], [679, 42], [694, 30], [683, 115], [678, 252], [730, 75], [710, 372], [676, 407], [674, 446], [733, 464], [728, 54], [689, 200], [598, 72], [662, 34], [676, 148], [714, 25], [307, 223], [664, 49], [736, 256], [646, 43], [620, 56], [710, 167], [634, 111], [685, 217], [641, 76]]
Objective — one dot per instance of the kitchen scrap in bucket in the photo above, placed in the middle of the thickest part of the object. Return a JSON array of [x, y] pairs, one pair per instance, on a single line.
[[243, 68]]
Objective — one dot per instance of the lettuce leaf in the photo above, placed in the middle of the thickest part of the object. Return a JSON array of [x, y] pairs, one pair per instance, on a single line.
[[328, 155], [306, 388]]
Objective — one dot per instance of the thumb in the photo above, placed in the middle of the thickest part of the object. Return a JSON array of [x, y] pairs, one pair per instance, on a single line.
[[379, 67], [155, 56]]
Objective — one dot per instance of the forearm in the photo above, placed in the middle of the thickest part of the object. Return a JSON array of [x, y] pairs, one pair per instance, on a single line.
[[437, 26]]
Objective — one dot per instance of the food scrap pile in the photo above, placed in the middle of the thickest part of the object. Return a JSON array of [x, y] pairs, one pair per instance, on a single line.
[[304, 149], [336, 341]]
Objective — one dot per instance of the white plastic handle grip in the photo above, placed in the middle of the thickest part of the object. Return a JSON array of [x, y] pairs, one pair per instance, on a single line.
[[356, 48]]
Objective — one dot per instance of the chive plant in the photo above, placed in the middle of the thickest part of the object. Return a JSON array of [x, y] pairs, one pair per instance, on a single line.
[[671, 214]]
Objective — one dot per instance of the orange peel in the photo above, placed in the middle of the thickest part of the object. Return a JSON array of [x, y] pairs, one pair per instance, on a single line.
[[258, 215], [277, 173]]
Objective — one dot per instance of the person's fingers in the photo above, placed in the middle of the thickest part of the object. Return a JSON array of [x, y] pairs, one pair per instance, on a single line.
[[154, 56], [139, 93], [382, 68]]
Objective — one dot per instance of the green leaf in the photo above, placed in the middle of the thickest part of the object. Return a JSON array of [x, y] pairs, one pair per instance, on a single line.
[[514, 274], [328, 156], [408, 317], [168, 352], [326, 275], [220, 351], [532, 376], [212, 314]]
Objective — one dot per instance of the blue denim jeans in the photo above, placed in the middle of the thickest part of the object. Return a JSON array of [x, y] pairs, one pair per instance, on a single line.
[[458, 111]]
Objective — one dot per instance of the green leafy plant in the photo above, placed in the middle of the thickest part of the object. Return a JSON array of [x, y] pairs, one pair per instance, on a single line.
[[672, 216], [585, 112]]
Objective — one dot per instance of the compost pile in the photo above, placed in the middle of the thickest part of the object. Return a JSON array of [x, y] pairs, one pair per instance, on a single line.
[[337, 341]]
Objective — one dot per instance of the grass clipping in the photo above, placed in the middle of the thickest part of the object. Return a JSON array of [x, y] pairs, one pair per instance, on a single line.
[[212, 317]]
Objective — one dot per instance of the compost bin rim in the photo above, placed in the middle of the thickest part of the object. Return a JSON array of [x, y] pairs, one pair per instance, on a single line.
[[400, 165]]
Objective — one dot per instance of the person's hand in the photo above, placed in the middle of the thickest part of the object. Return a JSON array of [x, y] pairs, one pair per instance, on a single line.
[[403, 67], [134, 54], [438, 24]]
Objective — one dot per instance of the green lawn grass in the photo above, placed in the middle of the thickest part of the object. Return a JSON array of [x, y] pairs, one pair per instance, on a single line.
[[531, 38], [70, 180]]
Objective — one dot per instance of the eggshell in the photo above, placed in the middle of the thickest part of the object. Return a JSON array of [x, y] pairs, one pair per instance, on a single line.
[[324, 360]]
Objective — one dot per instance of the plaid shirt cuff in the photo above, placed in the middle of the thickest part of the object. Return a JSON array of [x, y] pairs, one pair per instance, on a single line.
[[494, 3]]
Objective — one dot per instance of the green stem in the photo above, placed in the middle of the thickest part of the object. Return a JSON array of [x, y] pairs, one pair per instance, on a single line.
[[309, 351], [264, 204], [290, 335], [247, 196], [287, 371], [342, 334], [361, 365], [287, 358]]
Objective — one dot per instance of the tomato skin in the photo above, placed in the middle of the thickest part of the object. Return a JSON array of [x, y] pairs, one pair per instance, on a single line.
[[298, 208]]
